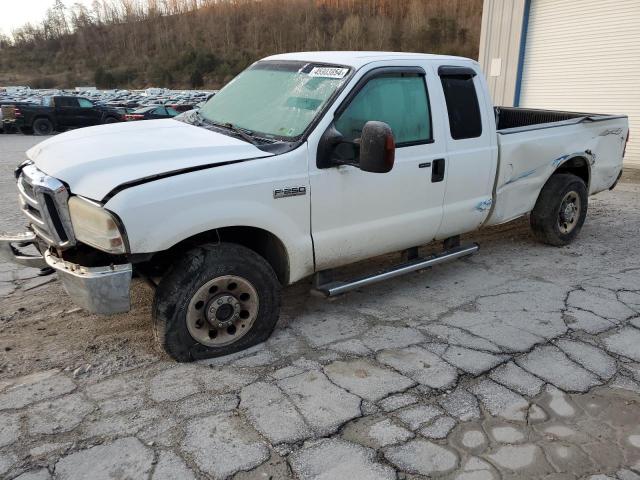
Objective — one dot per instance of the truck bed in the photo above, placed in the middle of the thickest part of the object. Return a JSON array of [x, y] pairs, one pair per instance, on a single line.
[[532, 144]]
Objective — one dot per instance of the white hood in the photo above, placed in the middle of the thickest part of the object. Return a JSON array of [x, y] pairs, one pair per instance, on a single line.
[[94, 160]]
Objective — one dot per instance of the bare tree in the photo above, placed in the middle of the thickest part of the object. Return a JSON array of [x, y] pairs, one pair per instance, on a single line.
[[137, 42]]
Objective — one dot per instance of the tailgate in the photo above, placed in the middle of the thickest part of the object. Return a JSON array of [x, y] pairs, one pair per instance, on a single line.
[[8, 112]]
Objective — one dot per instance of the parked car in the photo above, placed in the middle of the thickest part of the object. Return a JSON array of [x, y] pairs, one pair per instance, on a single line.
[[154, 112], [110, 98], [62, 112], [336, 158], [181, 107]]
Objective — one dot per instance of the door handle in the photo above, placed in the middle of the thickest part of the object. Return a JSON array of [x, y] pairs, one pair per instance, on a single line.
[[437, 170], [424, 165]]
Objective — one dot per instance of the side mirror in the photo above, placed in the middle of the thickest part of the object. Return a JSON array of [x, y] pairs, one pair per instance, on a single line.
[[333, 150], [377, 148]]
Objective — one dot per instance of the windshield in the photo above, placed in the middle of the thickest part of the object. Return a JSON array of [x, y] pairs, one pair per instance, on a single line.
[[275, 98]]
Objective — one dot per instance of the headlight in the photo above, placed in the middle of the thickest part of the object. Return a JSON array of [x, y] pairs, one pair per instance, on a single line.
[[95, 226]]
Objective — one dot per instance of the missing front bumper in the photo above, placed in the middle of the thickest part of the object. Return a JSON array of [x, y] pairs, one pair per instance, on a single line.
[[102, 290]]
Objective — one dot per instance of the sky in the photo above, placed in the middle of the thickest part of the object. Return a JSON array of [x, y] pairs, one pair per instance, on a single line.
[[15, 13]]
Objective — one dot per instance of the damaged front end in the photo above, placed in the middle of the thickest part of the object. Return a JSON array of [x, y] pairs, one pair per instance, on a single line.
[[95, 281]]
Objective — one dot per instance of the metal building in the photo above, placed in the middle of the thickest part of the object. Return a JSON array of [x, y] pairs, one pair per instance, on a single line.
[[578, 55]]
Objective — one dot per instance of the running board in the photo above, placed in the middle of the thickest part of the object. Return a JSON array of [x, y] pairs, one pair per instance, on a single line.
[[331, 289]]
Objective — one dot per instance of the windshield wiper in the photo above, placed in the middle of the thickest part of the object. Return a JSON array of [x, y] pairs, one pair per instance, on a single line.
[[241, 132], [232, 127]]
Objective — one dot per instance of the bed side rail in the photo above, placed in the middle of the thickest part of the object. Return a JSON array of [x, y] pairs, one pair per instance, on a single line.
[[512, 117]]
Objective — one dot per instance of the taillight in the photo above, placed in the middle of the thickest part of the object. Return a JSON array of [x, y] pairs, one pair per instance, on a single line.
[[17, 112], [133, 116]]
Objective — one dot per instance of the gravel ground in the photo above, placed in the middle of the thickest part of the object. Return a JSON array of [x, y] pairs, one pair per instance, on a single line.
[[520, 362]]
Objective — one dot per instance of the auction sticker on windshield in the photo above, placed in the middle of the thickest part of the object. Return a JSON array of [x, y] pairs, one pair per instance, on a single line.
[[328, 72]]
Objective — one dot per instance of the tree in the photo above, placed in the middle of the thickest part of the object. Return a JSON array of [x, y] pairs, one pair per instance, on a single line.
[[196, 79], [183, 43], [103, 78]]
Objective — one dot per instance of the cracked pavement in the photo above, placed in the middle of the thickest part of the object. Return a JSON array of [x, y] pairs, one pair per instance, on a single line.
[[520, 362]]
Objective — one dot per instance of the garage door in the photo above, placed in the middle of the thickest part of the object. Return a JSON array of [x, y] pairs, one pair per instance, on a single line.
[[584, 55]]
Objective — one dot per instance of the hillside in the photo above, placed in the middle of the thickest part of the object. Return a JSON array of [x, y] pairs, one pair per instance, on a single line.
[[203, 43]]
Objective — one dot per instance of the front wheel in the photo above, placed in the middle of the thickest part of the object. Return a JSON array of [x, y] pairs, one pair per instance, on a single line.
[[216, 300], [560, 210]]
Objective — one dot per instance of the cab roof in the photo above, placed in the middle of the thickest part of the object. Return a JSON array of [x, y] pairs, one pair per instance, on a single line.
[[358, 59]]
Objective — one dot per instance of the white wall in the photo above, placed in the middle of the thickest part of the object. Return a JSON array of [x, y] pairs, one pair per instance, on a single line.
[[584, 55], [500, 47]]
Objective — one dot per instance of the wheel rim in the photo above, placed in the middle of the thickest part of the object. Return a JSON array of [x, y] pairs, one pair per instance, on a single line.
[[569, 212], [43, 128], [222, 311]]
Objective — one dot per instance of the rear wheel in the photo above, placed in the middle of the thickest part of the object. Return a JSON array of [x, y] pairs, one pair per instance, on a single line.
[[110, 120], [42, 126], [216, 300], [561, 209]]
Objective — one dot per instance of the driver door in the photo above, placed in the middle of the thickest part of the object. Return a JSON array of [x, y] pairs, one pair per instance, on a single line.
[[357, 215], [67, 111], [90, 114]]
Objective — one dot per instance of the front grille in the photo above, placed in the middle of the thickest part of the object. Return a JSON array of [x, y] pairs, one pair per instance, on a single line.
[[44, 201], [28, 189]]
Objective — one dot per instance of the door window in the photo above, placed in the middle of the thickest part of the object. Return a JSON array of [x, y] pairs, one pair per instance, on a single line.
[[84, 103], [159, 111], [398, 100], [66, 102]]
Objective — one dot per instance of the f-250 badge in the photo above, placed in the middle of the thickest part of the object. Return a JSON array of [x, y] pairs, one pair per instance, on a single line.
[[289, 192]]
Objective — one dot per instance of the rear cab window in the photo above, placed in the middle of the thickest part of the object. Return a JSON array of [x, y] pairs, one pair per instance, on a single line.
[[461, 98]]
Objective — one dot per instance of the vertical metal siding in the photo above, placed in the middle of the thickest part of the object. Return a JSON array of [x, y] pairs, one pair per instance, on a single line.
[[500, 38], [523, 41], [584, 55]]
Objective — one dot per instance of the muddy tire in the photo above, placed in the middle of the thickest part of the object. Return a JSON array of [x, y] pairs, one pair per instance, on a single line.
[[42, 126], [560, 210], [215, 300]]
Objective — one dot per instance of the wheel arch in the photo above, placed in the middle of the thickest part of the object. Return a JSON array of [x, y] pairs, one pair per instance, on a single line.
[[264, 243], [578, 164], [109, 115]]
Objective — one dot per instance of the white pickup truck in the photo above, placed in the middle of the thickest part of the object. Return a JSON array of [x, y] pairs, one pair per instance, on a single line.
[[303, 163]]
